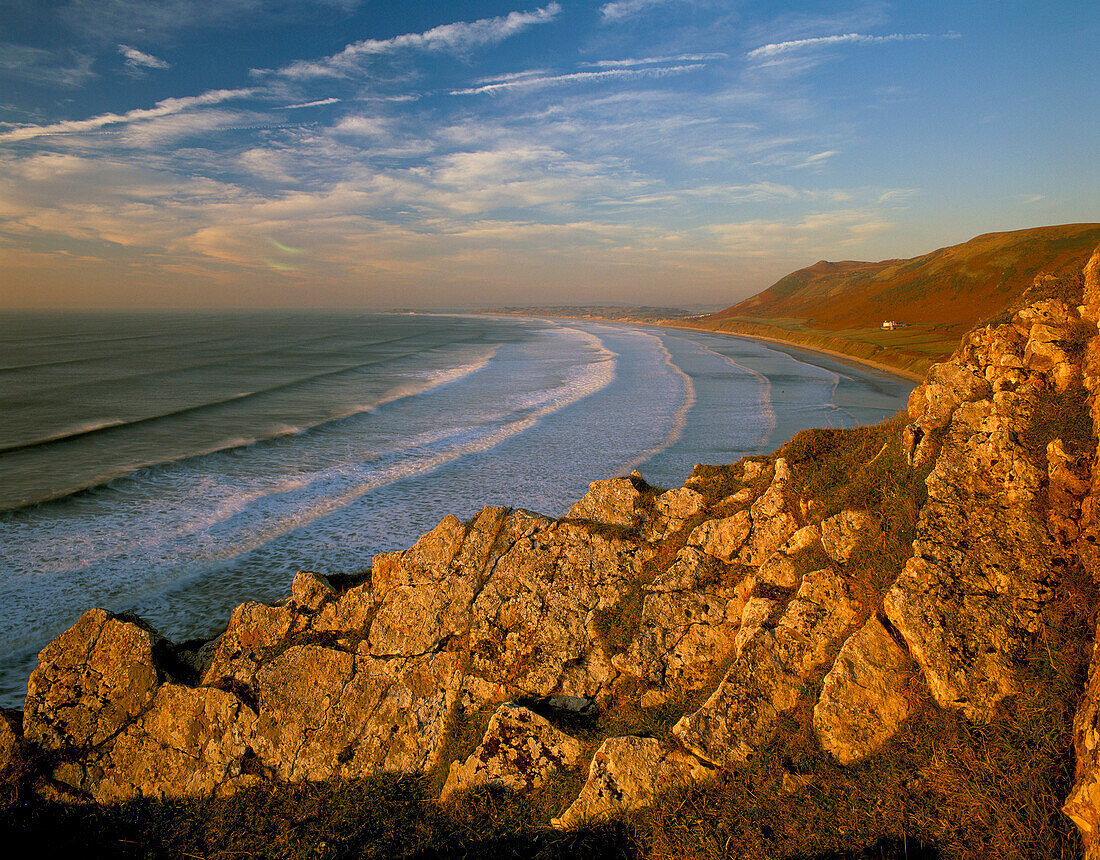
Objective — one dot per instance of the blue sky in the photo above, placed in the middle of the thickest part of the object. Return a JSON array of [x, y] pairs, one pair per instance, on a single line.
[[366, 153]]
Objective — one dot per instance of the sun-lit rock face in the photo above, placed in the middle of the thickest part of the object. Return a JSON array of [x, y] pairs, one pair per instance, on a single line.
[[520, 750], [755, 600]]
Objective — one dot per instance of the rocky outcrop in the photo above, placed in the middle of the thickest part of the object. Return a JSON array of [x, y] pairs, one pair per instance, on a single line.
[[745, 592], [627, 773], [520, 751], [864, 699], [771, 671]]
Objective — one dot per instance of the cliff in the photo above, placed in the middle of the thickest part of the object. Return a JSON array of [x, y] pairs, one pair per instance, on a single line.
[[914, 601]]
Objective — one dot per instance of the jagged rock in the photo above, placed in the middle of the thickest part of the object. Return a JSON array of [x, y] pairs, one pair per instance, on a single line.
[[310, 591], [680, 503], [350, 614], [772, 525], [90, 683], [254, 631], [627, 773], [759, 612], [1083, 802], [771, 671], [613, 503], [932, 405], [684, 637], [531, 629], [722, 538], [692, 568], [520, 750], [425, 592], [781, 569], [767, 535], [190, 743], [1067, 485], [672, 509], [326, 713], [864, 700], [972, 595], [841, 534], [752, 469]]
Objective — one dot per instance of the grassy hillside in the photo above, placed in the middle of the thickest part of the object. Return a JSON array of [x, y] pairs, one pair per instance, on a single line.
[[937, 297]]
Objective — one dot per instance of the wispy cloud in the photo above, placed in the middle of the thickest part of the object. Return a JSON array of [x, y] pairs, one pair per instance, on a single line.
[[38, 66], [163, 108], [651, 61], [457, 37], [775, 48], [138, 61], [621, 9], [318, 103], [577, 77]]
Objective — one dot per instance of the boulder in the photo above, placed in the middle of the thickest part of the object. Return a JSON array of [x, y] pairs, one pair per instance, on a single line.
[[519, 751], [613, 503], [532, 630], [91, 682], [843, 533], [324, 713], [722, 538], [190, 743], [864, 700], [627, 773], [683, 638], [255, 630], [971, 597], [771, 672]]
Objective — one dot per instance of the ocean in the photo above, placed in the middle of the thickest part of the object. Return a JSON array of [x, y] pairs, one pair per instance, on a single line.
[[176, 465]]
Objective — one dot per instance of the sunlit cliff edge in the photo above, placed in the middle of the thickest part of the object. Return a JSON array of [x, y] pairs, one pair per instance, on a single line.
[[875, 636]]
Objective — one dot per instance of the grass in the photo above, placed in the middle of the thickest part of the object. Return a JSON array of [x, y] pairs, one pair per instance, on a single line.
[[943, 788]]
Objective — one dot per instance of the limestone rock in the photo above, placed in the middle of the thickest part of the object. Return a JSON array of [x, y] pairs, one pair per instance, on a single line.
[[680, 503], [531, 630], [783, 569], [771, 671], [254, 631], [972, 595], [326, 713], [90, 683], [759, 612], [627, 773], [11, 743], [1083, 803], [863, 700], [692, 568], [843, 533], [520, 751], [310, 591], [613, 503], [190, 743], [932, 404], [425, 592], [672, 509], [684, 637], [722, 538], [772, 524]]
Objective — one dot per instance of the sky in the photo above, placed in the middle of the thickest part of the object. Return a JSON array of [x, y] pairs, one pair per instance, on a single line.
[[376, 154]]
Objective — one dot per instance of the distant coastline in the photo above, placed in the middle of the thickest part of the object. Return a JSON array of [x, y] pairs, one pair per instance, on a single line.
[[638, 316]]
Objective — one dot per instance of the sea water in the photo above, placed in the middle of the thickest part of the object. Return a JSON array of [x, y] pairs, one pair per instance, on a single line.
[[176, 465]]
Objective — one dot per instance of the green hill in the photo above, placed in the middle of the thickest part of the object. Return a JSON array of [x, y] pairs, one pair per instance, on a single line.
[[936, 297]]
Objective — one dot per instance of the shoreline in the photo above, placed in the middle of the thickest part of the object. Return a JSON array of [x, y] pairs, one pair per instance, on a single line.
[[877, 365]]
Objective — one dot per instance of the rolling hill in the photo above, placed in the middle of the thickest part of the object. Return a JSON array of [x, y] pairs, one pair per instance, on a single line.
[[936, 297]]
